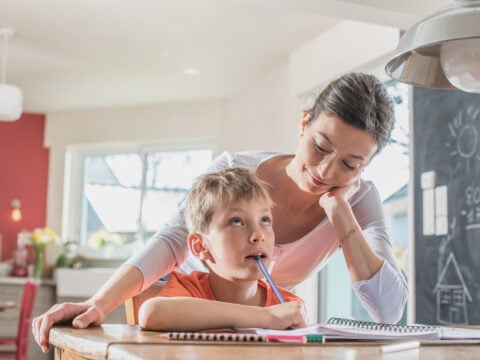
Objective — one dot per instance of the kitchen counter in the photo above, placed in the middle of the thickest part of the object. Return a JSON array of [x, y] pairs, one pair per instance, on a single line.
[[12, 280]]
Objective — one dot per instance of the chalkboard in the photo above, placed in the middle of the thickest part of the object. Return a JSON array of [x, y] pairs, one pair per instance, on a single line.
[[446, 165]]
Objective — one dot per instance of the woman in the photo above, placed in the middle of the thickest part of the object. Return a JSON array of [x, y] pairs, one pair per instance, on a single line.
[[322, 206]]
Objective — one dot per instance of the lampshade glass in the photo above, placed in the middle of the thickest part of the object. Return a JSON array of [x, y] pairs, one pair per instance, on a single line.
[[11, 101], [460, 62]]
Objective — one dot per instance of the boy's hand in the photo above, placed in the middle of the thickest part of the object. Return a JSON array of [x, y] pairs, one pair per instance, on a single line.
[[290, 315]]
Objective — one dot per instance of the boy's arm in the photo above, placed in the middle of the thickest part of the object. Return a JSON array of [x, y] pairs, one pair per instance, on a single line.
[[192, 314]]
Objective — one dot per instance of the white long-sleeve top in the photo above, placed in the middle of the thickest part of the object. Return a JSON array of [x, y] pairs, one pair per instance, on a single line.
[[384, 295]]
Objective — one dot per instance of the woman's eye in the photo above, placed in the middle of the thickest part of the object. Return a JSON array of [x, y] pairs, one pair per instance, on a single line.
[[350, 167], [236, 222], [319, 148], [266, 220]]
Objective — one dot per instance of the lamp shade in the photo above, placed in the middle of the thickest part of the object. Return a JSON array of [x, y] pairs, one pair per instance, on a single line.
[[441, 51], [11, 101]]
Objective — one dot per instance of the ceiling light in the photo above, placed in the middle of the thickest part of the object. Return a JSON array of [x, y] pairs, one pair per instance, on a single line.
[[11, 97], [441, 51]]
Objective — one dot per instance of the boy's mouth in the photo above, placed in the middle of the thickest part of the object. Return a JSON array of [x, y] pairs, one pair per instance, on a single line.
[[261, 255]]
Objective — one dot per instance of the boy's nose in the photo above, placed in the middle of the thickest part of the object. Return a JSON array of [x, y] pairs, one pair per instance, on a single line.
[[257, 236]]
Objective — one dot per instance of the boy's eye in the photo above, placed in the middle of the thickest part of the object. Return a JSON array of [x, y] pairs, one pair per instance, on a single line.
[[266, 220], [236, 221]]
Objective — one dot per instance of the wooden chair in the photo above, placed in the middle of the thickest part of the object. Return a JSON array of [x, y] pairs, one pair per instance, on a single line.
[[20, 342], [133, 304]]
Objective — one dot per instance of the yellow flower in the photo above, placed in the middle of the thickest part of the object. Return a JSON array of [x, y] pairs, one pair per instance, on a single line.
[[40, 236], [102, 237], [37, 236], [50, 233]]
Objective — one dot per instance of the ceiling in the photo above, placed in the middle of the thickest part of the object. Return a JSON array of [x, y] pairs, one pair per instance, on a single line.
[[103, 53]]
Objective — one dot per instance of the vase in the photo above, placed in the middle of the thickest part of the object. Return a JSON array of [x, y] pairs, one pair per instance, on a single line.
[[39, 262]]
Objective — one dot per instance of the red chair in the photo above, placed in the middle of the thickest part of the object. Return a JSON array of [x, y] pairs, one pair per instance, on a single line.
[[24, 325]]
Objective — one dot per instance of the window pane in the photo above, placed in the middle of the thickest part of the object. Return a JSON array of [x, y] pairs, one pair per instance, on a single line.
[[112, 192], [169, 176]]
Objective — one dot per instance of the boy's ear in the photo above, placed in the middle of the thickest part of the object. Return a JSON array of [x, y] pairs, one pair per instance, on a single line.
[[197, 247]]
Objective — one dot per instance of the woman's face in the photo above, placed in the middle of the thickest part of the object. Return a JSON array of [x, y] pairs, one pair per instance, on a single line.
[[330, 154]]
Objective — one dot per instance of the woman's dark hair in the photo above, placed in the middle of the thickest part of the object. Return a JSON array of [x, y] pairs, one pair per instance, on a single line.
[[360, 100]]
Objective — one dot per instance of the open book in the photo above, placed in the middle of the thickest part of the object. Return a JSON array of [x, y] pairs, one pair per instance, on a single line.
[[338, 328]]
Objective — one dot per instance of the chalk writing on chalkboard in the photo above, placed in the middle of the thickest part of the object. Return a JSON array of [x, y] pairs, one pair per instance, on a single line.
[[465, 136], [471, 208], [452, 293]]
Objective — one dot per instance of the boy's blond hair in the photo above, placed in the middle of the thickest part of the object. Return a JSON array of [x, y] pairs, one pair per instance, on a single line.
[[214, 190]]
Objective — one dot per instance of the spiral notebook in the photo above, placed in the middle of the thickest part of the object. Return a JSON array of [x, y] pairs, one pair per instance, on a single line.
[[346, 328], [214, 336], [340, 328]]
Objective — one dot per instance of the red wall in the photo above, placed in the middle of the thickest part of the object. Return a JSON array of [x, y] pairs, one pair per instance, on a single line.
[[23, 175]]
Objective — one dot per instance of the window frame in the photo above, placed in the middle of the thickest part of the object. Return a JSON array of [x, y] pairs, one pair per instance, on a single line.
[[74, 174]]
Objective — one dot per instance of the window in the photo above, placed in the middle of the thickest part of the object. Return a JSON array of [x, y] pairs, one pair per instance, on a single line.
[[458, 297], [119, 195], [445, 296]]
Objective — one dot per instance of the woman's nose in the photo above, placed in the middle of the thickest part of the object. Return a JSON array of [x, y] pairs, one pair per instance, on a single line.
[[326, 169]]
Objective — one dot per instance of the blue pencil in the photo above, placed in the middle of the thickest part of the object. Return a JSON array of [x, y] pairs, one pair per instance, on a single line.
[[269, 279]]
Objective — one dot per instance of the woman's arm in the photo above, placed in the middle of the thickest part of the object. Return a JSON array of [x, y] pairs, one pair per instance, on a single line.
[[362, 262], [122, 285], [361, 232], [193, 314]]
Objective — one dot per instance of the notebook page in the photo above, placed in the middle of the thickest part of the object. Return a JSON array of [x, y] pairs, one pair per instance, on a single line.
[[459, 333]]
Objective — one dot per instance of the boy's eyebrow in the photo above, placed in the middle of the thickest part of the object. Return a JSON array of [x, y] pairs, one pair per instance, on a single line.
[[237, 209]]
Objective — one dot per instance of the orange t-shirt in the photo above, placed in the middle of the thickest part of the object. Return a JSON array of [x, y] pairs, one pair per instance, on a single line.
[[197, 285]]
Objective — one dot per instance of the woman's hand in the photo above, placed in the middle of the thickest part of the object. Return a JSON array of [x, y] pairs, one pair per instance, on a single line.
[[338, 194], [290, 315], [83, 314]]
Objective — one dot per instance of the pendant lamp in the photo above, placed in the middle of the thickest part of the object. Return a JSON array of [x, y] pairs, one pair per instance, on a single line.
[[11, 97], [441, 51]]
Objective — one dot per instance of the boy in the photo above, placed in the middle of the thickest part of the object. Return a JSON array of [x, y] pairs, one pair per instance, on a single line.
[[228, 215]]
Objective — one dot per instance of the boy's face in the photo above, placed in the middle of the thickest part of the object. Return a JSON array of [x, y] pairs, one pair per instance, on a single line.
[[237, 232]]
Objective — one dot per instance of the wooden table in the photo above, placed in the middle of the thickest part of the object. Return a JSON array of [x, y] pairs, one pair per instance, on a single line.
[[111, 341]]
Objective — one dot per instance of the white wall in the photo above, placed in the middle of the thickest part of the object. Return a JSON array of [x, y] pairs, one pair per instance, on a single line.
[[348, 46], [265, 116]]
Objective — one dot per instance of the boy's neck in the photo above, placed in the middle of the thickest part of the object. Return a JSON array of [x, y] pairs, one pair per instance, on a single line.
[[238, 292]]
